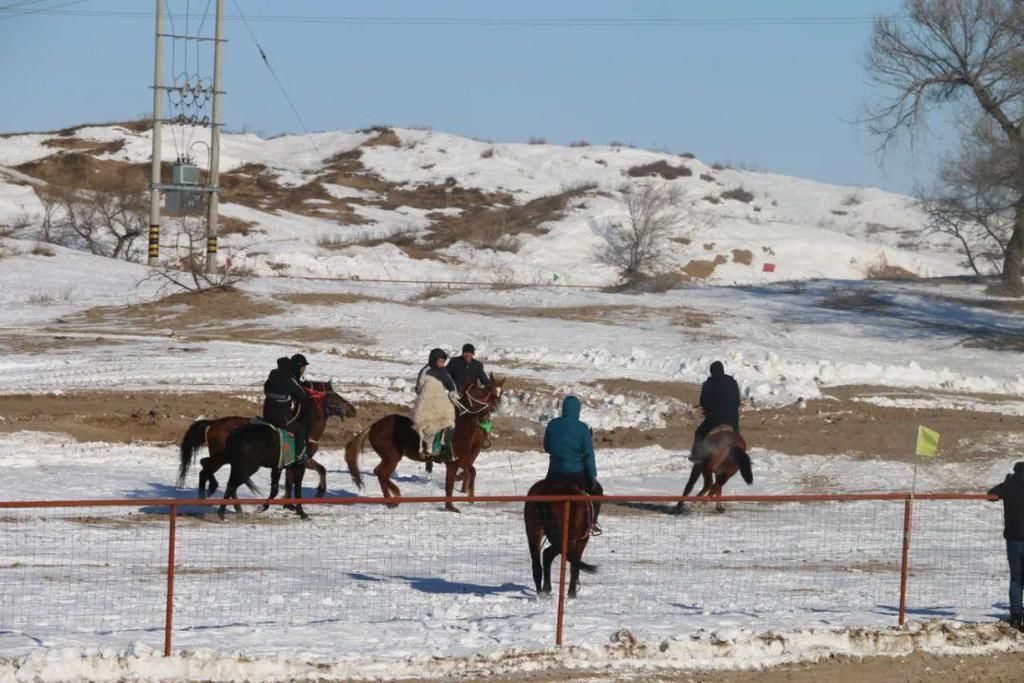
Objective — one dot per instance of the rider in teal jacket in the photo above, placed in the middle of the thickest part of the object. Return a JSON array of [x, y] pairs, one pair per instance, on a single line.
[[570, 444]]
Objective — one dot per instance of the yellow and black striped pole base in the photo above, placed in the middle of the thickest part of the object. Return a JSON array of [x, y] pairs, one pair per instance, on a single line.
[[211, 245], [154, 242]]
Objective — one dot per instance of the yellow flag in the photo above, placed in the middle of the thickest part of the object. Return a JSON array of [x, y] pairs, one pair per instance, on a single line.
[[927, 442]]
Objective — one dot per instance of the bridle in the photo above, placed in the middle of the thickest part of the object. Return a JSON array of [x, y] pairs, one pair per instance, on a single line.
[[477, 406]]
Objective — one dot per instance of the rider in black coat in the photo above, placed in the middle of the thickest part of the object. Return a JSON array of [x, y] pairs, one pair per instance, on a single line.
[[286, 404], [466, 367], [720, 401]]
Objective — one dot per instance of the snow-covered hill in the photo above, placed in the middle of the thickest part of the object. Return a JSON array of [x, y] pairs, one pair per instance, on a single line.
[[420, 204]]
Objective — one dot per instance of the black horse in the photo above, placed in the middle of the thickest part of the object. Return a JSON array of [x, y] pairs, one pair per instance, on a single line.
[[257, 444]]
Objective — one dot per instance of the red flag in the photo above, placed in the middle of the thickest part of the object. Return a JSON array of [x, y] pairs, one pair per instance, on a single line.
[[768, 268]]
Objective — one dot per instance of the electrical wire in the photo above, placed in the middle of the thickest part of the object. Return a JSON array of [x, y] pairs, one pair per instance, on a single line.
[[277, 80]]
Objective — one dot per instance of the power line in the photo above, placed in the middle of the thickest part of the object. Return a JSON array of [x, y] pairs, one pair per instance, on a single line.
[[502, 22], [277, 80], [21, 12]]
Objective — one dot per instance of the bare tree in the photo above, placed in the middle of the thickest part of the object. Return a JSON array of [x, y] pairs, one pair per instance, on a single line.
[[105, 222], [959, 52], [638, 246], [973, 201], [188, 269]]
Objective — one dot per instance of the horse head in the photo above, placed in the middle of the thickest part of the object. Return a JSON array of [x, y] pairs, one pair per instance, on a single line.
[[485, 399], [332, 403]]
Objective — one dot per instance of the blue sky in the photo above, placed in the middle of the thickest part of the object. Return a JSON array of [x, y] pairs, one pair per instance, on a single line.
[[780, 97]]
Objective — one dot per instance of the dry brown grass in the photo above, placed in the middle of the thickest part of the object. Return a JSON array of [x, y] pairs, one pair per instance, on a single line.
[[701, 269], [497, 227], [661, 169], [385, 137], [740, 194], [881, 269], [743, 256]]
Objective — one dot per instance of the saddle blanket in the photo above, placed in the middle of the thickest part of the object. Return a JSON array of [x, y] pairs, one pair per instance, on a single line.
[[286, 443]]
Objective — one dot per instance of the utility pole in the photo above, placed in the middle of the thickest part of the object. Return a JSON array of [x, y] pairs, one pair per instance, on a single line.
[[211, 219], [158, 92]]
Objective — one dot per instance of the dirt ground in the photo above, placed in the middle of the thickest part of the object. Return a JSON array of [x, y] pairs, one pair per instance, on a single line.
[[916, 668], [836, 424]]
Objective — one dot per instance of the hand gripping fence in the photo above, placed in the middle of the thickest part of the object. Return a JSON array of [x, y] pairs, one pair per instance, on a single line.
[[116, 572]]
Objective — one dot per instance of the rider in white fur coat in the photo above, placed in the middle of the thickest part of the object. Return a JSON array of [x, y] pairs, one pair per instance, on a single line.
[[436, 394]]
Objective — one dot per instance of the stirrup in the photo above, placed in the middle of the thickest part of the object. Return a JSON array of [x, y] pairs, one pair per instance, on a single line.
[[596, 530]]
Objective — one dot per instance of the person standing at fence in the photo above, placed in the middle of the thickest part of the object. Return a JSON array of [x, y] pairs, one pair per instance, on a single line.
[[1011, 492], [570, 444]]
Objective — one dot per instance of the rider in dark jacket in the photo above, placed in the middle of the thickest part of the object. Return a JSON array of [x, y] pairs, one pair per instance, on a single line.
[[466, 368], [286, 404], [570, 445], [720, 401]]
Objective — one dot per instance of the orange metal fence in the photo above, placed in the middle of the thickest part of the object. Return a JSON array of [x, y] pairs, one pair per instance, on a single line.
[[869, 543]]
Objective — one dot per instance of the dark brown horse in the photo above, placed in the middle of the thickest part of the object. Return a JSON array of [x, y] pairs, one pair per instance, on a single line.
[[257, 445], [546, 520], [726, 454], [393, 437], [214, 435]]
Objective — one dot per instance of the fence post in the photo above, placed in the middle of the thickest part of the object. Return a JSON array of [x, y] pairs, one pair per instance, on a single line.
[[561, 574], [908, 513], [169, 615]]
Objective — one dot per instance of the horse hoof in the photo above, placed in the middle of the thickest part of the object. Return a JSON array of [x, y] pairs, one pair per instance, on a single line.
[[572, 595], [451, 508], [391, 505], [320, 493], [720, 510], [303, 516]]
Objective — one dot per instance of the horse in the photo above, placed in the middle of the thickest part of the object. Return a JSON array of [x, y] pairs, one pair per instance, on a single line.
[[257, 444], [547, 520], [214, 433], [726, 454], [393, 437]]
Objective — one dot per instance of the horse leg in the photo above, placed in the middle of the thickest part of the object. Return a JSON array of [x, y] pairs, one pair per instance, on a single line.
[[535, 539], [449, 485], [209, 466], [321, 488], [387, 487], [237, 478], [550, 553], [471, 478], [716, 491], [694, 473], [300, 471], [275, 482], [574, 578]]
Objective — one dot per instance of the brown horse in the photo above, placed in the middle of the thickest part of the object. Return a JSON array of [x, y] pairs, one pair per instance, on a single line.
[[214, 435], [726, 454], [548, 520], [393, 437]]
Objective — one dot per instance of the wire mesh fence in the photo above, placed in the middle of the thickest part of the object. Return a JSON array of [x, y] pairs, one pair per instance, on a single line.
[[359, 578]]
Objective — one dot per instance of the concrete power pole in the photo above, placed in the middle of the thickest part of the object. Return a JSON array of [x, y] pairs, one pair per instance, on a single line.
[[154, 191], [211, 219]]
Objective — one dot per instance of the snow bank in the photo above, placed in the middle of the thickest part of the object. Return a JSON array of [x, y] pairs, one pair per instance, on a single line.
[[704, 650]]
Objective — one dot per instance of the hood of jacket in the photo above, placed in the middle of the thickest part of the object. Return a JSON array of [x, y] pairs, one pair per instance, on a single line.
[[571, 408]]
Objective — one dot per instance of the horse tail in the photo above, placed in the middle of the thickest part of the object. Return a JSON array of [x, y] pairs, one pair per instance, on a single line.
[[352, 450], [584, 567], [194, 439], [252, 487], [745, 467]]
